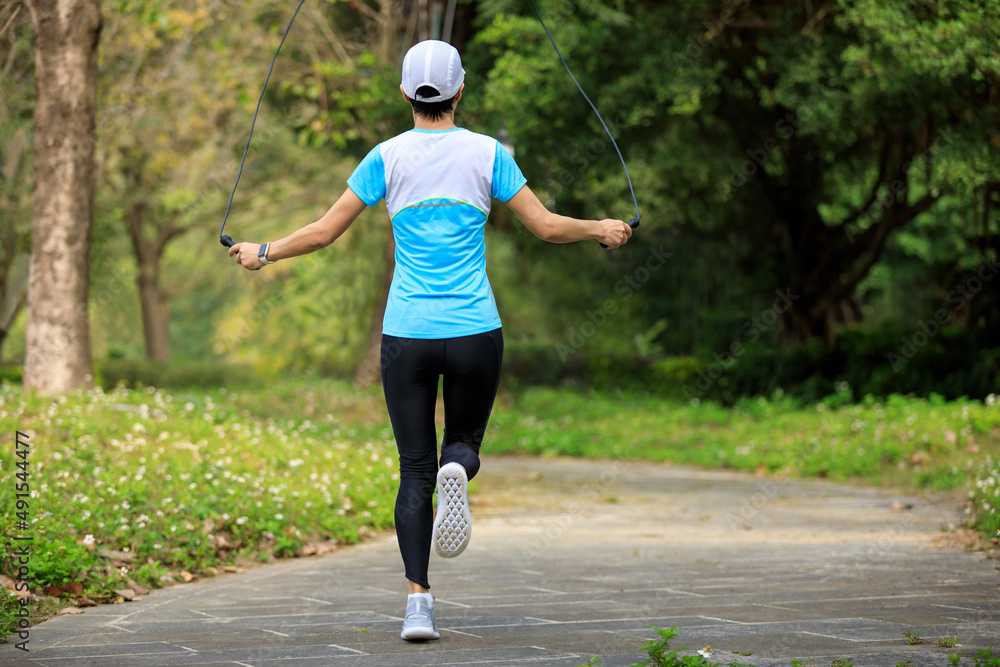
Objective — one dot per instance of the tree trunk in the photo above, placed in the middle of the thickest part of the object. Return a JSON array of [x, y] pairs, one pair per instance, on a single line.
[[155, 319], [58, 330], [370, 369], [153, 301]]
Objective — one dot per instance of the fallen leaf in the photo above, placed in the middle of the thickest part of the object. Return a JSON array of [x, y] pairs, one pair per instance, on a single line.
[[113, 554], [74, 588], [898, 505], [70, 610], [85, 602], [11, 584], [138, 588], [319, 548], [186, 576], [125, 593]]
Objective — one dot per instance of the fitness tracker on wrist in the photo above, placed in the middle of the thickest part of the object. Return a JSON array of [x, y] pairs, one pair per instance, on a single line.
[[262, 254]]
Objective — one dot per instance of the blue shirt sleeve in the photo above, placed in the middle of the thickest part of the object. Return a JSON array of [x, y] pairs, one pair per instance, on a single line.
[[368, 180], [507, 177]]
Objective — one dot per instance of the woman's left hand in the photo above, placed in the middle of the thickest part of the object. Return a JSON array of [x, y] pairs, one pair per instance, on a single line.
[[247, 255]]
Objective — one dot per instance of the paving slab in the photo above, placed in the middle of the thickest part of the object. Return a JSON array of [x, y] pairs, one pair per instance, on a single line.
[[572, 559]]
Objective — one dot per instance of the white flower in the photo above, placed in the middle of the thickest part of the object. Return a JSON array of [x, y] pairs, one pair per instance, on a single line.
[[706, 652], [88, 540], [123, 570]]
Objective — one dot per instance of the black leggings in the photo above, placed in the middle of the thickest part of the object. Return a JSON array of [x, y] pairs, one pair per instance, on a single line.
[[410, 371]]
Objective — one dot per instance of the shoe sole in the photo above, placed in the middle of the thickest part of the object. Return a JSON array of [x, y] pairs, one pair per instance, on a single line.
[[419, 634], [453, 523]]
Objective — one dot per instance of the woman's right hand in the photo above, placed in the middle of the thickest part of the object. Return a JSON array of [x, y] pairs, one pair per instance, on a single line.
[[614, 233]]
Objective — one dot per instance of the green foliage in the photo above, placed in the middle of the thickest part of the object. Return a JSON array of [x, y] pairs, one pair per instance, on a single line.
[[855, 77], [657, 649], [660, 654], [9, 605], [16, 163], [861, 363], [137, 373], [529, 363], [897, 441], [829, 88], [190, 480], [985, 497], [947, 641], [11, 374], [913, 638], [842, 662], [58, 564], [985, 658]]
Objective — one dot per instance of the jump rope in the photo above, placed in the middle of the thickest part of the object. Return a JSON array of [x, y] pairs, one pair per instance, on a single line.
[[228, 241]]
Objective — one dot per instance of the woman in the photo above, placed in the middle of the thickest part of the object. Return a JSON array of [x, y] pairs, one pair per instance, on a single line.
[[441, 318]]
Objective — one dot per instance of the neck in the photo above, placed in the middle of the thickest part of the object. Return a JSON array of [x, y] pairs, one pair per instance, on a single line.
[[446, 122]]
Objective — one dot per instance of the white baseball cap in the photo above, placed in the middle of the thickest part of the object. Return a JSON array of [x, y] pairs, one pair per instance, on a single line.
[[436, 64]]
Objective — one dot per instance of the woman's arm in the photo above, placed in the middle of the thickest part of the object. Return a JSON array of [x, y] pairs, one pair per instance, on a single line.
[[555, 228], [308, 239]]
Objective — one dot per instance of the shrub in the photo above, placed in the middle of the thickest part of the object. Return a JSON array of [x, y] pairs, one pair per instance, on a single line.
[[985, 496], [540, 363], [134, 373], [11, 374]]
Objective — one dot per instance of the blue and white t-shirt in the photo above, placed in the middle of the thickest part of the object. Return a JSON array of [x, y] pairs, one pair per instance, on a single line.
[[437, 185]]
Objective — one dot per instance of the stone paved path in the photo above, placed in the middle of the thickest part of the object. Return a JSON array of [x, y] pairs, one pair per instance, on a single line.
[[572, 559]]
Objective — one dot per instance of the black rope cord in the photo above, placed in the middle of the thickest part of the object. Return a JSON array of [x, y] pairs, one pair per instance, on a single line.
[[226, 240], [634, 222]]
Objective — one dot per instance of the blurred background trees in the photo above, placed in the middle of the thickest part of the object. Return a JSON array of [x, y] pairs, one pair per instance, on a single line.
[[842, 153]]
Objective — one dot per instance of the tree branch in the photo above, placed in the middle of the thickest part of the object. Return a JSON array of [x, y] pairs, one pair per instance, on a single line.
[[884, 228], [17, 10], [817, 17], [15, 311], [883, 166]]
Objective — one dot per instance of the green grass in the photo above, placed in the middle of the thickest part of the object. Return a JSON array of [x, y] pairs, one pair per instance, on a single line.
[[905, 442], [188, 480], [192, 480]]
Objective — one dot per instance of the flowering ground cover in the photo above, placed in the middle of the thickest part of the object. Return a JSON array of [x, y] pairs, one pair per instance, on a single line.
[[134, 489], [137, 488]]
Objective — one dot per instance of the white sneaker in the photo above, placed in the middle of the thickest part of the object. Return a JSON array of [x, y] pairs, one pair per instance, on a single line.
[[419, 623], [453, 523]]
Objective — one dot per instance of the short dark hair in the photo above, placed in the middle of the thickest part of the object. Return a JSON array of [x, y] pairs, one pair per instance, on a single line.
[[431, 110]]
